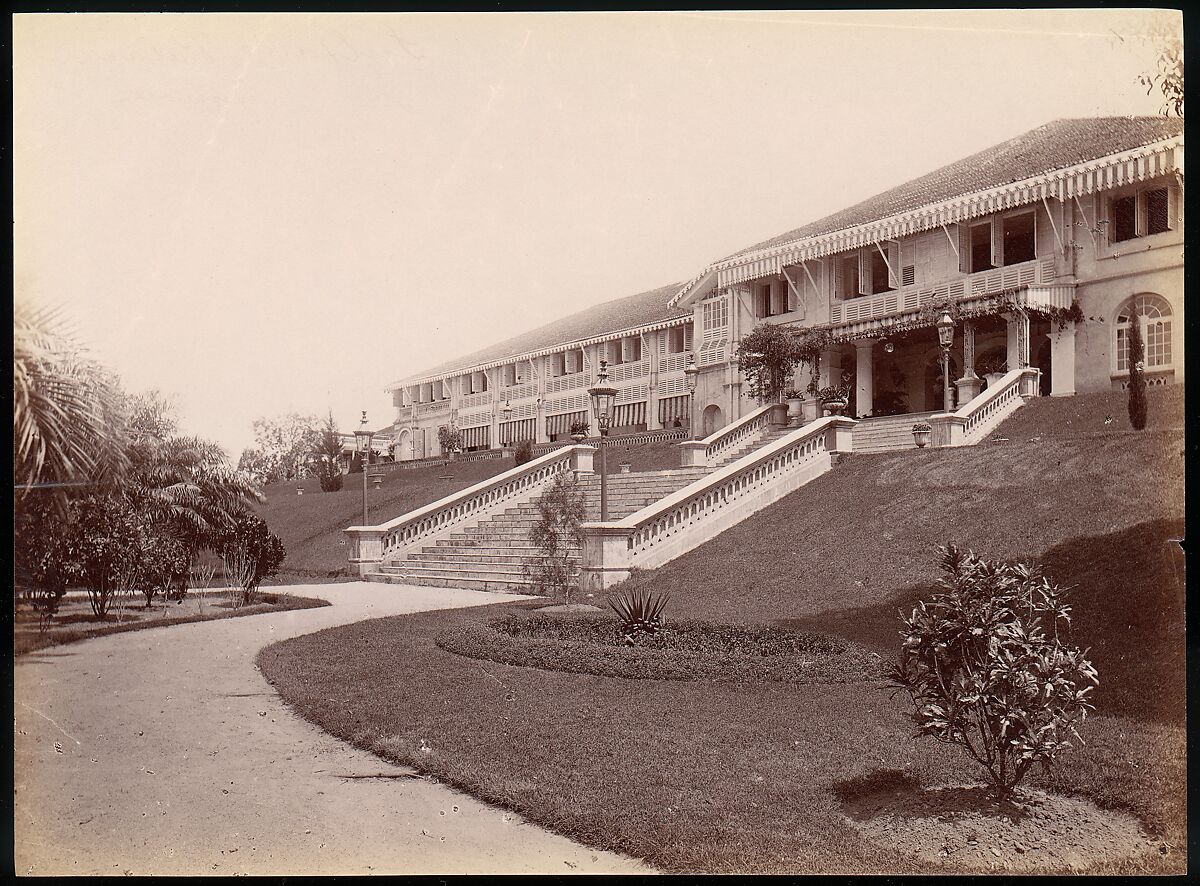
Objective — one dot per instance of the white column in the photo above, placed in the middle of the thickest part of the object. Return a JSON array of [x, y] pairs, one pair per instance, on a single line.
[[1062, 361], [864, 392], [1018, 340]]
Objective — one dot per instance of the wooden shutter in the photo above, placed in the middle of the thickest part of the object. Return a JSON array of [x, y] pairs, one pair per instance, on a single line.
[[964, 247], [864, 272], [893, 257], [997, 259], [839, 281]]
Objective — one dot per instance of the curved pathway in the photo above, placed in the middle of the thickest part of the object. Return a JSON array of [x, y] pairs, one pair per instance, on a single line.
[[165, 751]]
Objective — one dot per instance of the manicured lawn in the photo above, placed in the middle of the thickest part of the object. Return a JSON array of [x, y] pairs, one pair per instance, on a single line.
[[725, 777], [310, 525], [75, 620]]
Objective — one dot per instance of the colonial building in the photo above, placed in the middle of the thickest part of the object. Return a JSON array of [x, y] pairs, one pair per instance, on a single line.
[[1046, 248]]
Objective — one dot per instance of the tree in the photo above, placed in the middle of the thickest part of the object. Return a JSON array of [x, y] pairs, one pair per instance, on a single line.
[[767, 357], [1167, 75], [557, 535], [104, 546], [449, 439], [66, 429], [326, 456], [1137, 374], [987, 670], [250, 552], [282, 446]]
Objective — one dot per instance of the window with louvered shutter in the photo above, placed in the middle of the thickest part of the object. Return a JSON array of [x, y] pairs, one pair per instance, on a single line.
[[1158, 211], [908, 275]]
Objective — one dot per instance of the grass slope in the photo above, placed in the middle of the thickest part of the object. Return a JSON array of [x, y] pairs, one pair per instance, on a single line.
[[310, 525], [711, 777]]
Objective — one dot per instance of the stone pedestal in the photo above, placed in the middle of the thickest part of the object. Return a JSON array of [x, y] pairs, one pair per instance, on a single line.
[[969, 387]]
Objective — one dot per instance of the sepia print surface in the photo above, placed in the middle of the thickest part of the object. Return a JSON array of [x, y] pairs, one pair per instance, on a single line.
[[599, 443]]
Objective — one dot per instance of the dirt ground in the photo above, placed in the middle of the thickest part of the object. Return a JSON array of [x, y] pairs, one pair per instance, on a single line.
[[962, 827], [164, 751]]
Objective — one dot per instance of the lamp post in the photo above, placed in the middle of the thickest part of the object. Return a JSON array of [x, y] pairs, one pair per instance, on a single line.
[[362, 443], [691, 372], [945, 328], [603, 398], [506, 417]]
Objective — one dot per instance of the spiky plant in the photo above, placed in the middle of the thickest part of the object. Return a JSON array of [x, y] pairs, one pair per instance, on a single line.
[[640, 612]]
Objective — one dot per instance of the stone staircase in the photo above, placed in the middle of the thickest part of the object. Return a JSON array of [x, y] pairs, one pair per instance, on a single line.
[[493, 554], [887, 433], [764, 437]]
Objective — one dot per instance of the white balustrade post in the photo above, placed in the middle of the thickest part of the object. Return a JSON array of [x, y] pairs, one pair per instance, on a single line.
[[582, 459], [367, 551], [606, 558]]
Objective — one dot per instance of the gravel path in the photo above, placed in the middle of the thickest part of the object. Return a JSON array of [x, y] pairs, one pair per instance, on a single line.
[[164, 751]]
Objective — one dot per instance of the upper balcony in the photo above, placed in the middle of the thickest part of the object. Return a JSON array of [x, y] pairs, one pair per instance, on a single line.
[[910, 299]]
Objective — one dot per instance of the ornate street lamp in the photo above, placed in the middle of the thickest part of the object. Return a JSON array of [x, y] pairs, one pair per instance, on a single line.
[[945, 328], [362, 445], [603, 398], [691, 372]]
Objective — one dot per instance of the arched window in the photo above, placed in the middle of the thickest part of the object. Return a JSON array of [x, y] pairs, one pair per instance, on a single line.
[[1154, 314]]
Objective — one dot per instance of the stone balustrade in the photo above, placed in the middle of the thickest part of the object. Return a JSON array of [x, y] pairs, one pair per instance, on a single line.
[[702, 510], [973, 421], [695, 453], [371, 545]]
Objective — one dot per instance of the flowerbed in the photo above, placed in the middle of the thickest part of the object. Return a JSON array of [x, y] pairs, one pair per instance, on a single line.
[[682, 650]]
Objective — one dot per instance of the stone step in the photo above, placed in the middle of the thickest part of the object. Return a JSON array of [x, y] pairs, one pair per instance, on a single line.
[[452, 568], [475, 584], [482, 558]]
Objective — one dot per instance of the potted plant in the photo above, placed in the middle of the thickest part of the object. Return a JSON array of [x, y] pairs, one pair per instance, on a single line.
[[795, 404], [921, 432], [992, 367], [766, 357], [579, 431], [834, 398]]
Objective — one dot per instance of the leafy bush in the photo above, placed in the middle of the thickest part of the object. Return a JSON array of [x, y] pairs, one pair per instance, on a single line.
[[986, 668], [640, 612], [1137, 376], [691, 650], [557, 534], [250, 552], [449, 439], [767, 356], [579, 426], [523, 451]]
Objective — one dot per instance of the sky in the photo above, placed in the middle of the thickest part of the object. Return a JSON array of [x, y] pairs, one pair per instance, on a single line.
[[264, 214]]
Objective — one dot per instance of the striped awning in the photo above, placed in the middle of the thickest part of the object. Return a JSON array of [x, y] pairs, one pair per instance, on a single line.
[[472, 437], [512, 431], [671, 408], [629, 414], [561, 424]]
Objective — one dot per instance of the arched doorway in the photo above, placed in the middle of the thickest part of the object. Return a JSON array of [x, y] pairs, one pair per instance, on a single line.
[[712, 420], [934, 393], [402, 449]]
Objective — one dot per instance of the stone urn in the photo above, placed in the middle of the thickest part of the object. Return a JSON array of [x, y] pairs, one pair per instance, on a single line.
[[922, 433], [795, 413], [834, 406], [993, 378], [625, 467], [579, 438]]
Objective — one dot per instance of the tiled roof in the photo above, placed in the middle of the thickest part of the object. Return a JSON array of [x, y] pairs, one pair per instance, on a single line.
[[1054, 145], [608, 317]]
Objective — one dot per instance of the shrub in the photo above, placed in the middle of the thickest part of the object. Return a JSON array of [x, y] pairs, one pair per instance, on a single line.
[[767, 356], [1137, 376], [986, 669], [640, 612], [250, 552], [579, 426], [523, 451], [556, 534], [449, 439], [326, 456]]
